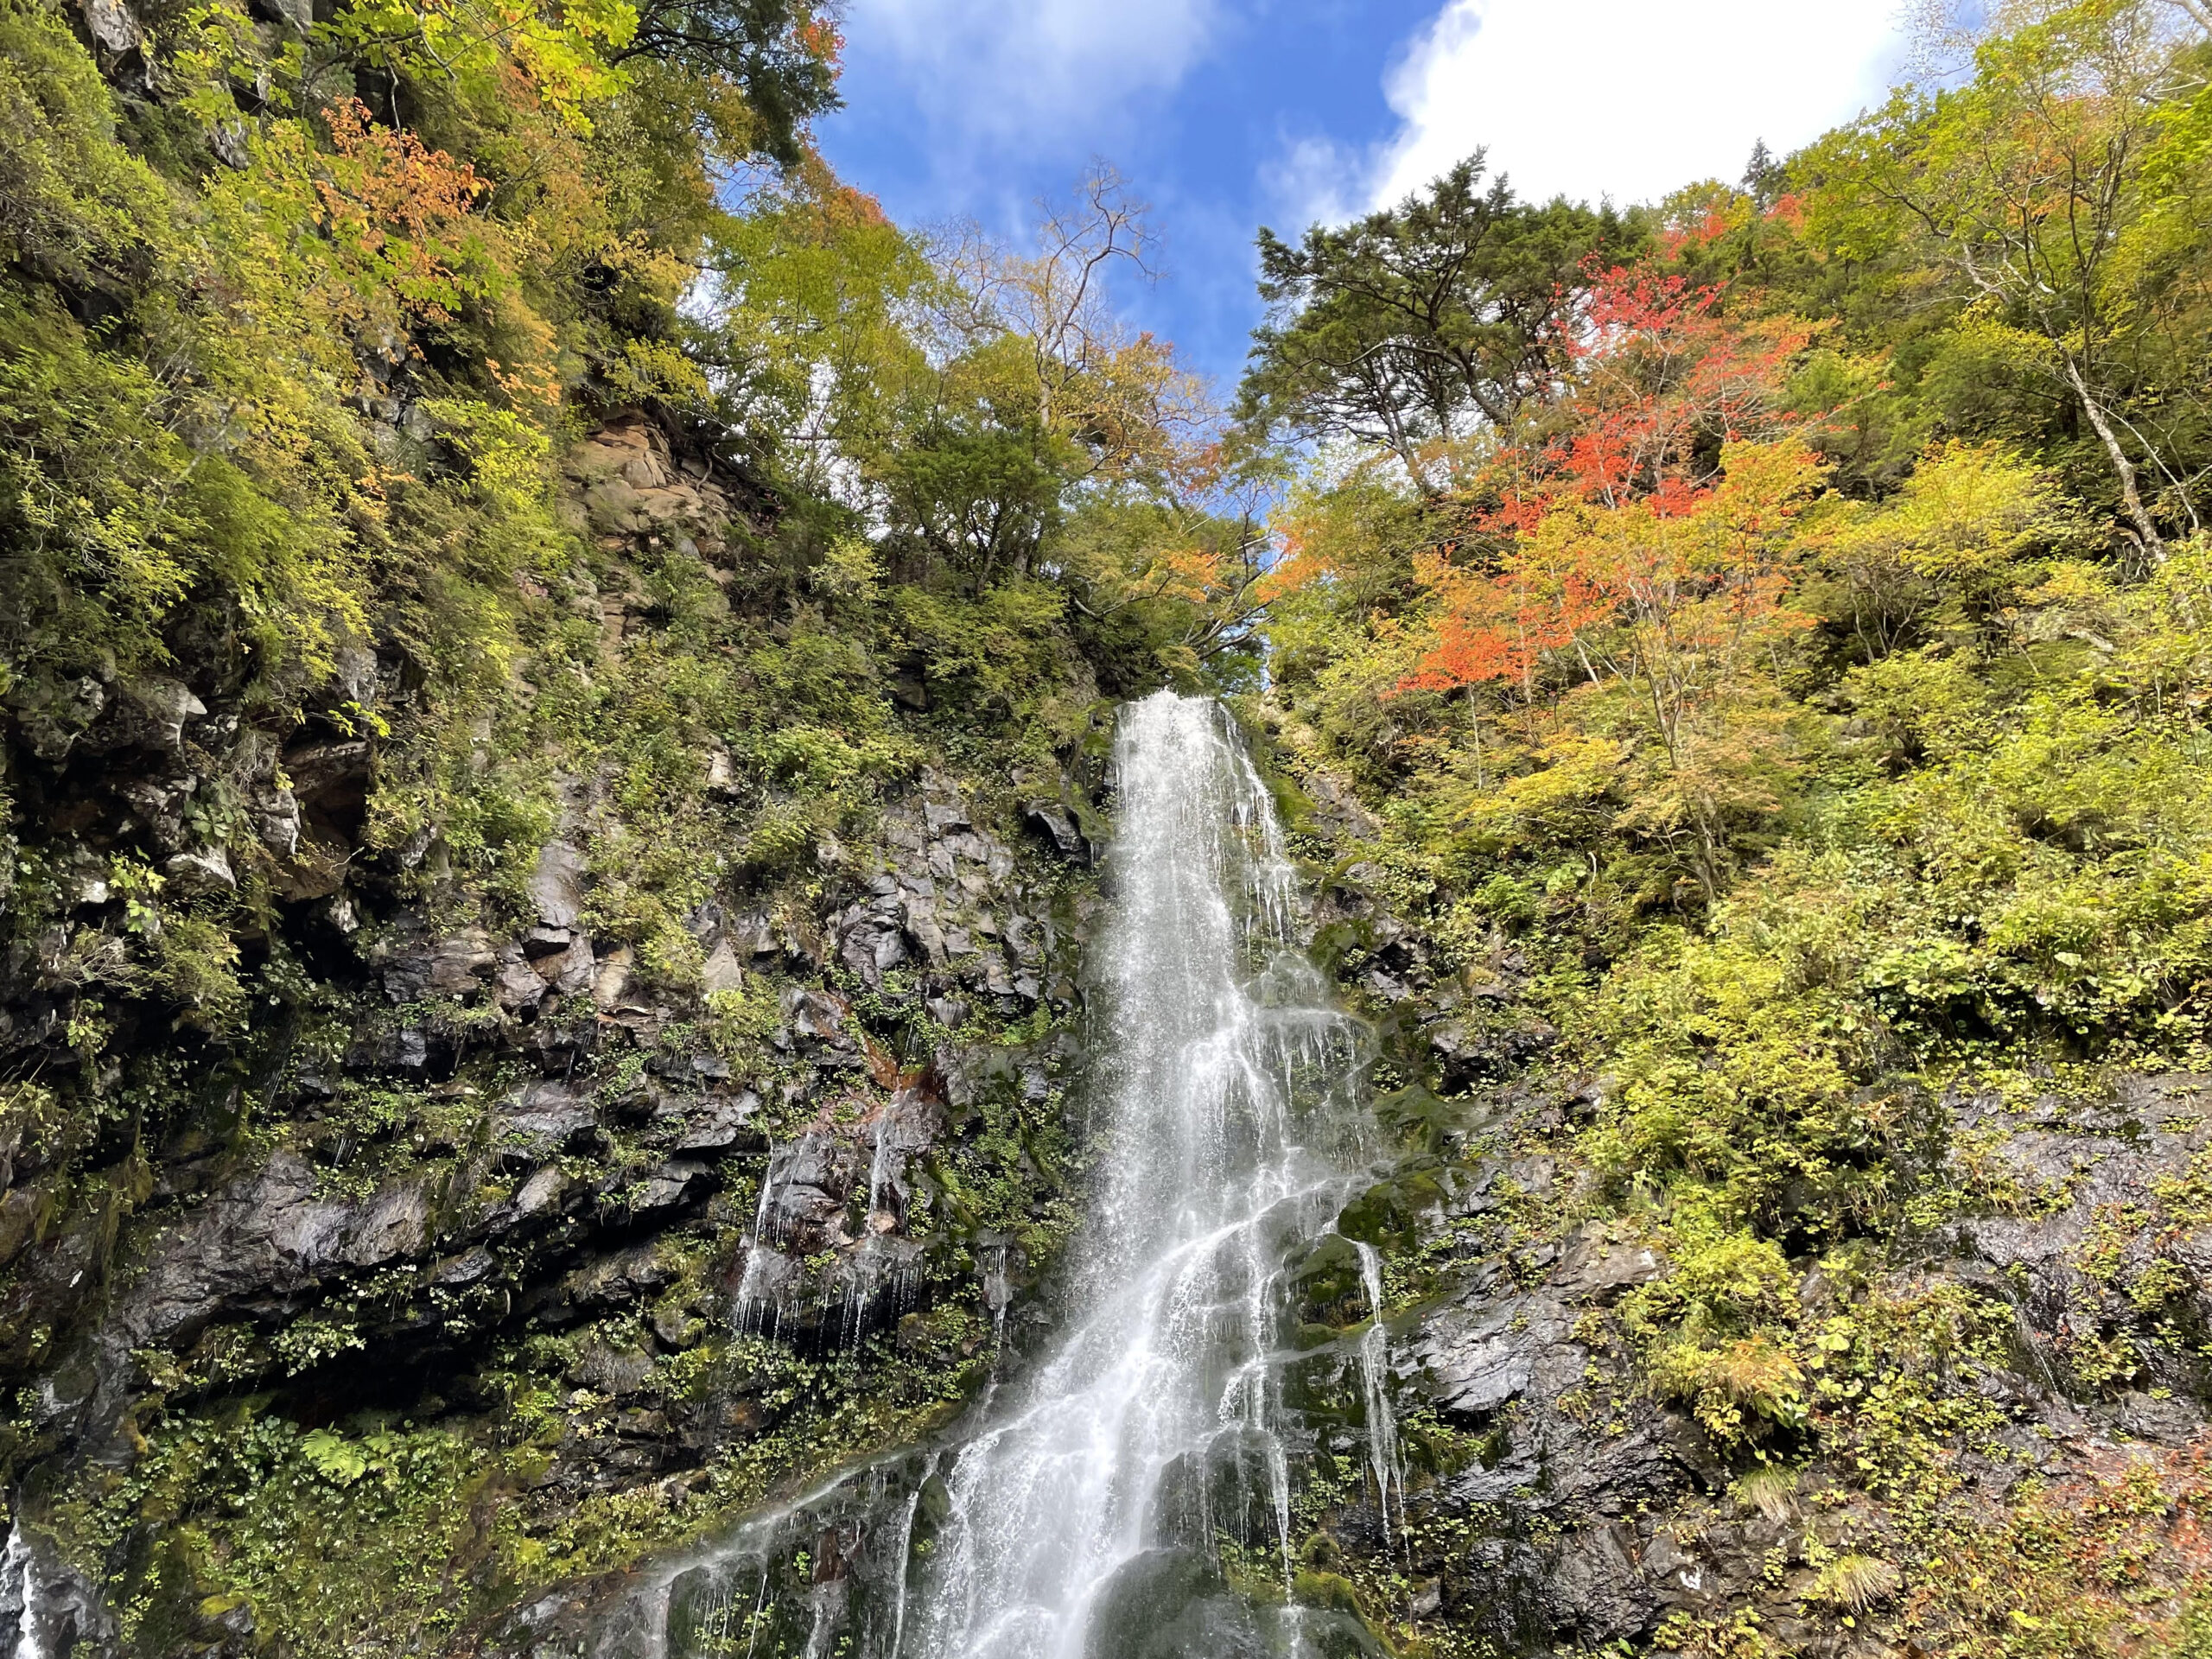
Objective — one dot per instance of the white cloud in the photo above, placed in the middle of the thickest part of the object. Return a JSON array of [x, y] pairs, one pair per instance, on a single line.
[[1628, 98], [1044, 72], [1315, 180]]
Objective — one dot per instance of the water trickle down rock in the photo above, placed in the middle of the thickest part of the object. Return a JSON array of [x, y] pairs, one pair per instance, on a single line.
[[1375, 1373], [46, 1611]]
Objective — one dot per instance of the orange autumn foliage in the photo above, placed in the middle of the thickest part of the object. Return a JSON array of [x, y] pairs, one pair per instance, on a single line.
[[1661, 367], [1611, 523], [1499, 627], [400, 208], [820, 37], [1681, 585]]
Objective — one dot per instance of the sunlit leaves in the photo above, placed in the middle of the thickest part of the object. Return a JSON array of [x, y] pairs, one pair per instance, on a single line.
[[2029, 190], [563, 58], [70, 197]]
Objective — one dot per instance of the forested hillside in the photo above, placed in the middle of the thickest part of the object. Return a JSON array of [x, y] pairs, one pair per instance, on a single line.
[[551, 654], [556, 677], [1771, 634]]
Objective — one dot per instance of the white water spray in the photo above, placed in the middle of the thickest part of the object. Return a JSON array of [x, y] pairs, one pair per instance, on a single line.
[[1230, 1125]]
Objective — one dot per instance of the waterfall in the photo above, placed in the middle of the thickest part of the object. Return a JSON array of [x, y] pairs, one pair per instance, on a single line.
[[19, 1596], [1230, 1123], [1119, 1494], [1374, 1372]]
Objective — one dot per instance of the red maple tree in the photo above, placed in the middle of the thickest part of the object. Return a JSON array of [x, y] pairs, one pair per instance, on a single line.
[[1665, 381]]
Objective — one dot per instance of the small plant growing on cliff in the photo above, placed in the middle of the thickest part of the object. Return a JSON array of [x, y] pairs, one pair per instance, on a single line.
[[335, 1458], [307, 1343], [740, 1021], [1771, 1488], [1855, 1583]]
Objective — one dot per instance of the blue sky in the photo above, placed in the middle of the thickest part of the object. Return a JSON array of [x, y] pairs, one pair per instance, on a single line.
[[1227, 114]]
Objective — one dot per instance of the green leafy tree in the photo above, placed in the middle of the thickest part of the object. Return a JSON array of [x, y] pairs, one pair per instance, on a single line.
[[1421, 323], [2025, 194]]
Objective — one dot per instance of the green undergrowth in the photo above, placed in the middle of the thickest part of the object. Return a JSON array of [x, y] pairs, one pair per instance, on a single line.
[[1794, 1034]]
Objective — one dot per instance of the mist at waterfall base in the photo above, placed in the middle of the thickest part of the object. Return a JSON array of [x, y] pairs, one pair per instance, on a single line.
[[1082, 1508]]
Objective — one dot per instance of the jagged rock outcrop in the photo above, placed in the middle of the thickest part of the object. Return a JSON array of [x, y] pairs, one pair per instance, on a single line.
[[499, 1143]]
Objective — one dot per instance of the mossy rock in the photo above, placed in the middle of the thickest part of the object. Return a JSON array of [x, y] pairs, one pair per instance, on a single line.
[[1173, 1604], [1337, 940], [1330, 1622], [1418, 1117], [1329, 1274], [1390, 1214]]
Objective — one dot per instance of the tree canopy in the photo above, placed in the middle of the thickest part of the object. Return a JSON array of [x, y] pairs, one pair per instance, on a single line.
[[1418, 324]]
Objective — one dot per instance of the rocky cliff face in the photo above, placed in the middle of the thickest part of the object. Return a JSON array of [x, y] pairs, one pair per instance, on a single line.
[[401, 1247], [2009, 1386], [452, 1235]]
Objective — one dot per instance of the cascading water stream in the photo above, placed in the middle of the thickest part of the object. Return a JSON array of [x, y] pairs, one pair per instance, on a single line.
[[1231, 1124], [19, 1597], [1080, 1511]]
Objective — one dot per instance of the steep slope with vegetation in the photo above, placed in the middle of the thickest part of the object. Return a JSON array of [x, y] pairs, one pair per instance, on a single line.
[[1772, 657], [554, 675], [554, 672]]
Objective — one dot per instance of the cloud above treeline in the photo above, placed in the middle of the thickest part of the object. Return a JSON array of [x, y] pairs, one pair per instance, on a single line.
[[1625, 98], [1619, 98]]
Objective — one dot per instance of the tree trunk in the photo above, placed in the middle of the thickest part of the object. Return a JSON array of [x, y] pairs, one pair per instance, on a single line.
[[2121, 464], [2198, 12], [1475, 719]]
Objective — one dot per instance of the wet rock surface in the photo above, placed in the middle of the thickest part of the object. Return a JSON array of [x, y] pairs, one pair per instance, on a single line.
[[1561, 1500], [554, 1200], [504, 1149]]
